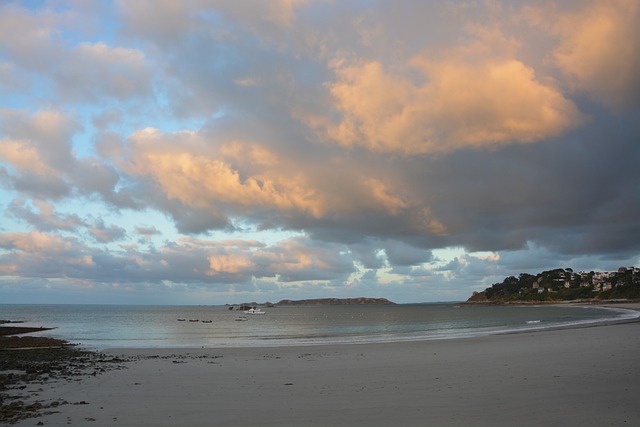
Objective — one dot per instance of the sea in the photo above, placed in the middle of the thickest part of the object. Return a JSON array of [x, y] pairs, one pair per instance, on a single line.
[[101, 327]]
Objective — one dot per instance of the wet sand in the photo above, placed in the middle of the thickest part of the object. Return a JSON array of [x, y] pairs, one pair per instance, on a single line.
[[573, 377]]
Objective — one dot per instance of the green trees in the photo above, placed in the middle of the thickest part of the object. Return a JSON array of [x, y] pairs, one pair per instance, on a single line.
[[564, 285]]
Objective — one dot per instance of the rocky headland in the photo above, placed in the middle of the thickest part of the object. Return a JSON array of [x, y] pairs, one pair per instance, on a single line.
[[563, 285]]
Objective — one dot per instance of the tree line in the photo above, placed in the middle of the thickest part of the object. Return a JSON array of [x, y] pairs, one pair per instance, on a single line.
[[564, 285]]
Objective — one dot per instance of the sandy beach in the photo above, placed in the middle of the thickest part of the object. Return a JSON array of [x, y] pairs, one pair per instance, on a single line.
[[572, 377]]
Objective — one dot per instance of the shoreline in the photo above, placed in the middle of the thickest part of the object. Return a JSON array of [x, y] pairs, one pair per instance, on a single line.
[[630, 306], [587, 376], [146, 351], [136, 351]]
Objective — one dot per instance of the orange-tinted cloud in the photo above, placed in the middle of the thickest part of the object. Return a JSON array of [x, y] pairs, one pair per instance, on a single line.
[[36, 241], [39, 143], [185, 170], [230, 264], [600, 50], [460, 100], [22, 156], [384, 197]]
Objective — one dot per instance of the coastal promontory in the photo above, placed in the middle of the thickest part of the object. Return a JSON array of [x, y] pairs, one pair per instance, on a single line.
[[563, 285]]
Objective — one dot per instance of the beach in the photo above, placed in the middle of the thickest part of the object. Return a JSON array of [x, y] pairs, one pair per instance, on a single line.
[[587, 376]]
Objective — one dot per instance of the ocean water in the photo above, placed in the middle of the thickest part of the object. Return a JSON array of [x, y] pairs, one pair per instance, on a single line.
[[100, 327]]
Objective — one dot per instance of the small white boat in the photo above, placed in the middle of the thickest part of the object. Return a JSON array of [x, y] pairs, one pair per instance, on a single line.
[[255, 311], [241, 319]]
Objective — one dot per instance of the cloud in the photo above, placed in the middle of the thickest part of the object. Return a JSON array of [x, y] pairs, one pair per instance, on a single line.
[[11, 80], [216, 264], [107, 117], [384, 195], [167, 22], [38, 149], [23, 157], [185, 169], [261, 16], [600, 51], [38, 143], [147, 233], [105, 234], [46, 219], [84, 72], [36, 255], [163, 19], [300, 259], [403, 254], [30, 39], [462, 99], [96, 70], [37, 242]]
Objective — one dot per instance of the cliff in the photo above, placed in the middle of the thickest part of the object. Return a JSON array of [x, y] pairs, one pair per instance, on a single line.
[[337, 301]]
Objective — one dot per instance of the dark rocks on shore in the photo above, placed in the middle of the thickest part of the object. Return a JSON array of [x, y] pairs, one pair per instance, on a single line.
[[35, 360], [18, 330]]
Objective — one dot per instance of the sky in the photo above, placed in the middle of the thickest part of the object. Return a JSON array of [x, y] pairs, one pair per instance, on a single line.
[[225, 151]]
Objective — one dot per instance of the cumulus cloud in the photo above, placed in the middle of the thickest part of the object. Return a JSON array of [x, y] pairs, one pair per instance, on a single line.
[[105, 234], [185, 169], [82, 72], [462, 99], [147, 233], [107, 117], [220, 264], [167, 22], [36, 144], [97, 70], [38, 150], [46, 219], [46, 255], [600, 51], [403, 254], [37, 242], [29, 39], [163, 19]]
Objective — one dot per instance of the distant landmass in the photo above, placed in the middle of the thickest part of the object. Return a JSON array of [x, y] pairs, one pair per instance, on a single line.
[[337, 301], [563, 285]]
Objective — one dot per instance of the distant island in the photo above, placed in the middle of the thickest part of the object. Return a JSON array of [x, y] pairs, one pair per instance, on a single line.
[[563, 285], [337, 301]]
